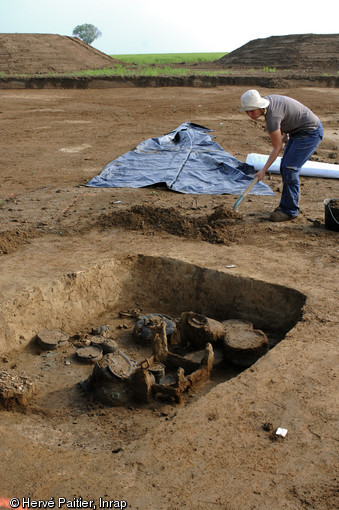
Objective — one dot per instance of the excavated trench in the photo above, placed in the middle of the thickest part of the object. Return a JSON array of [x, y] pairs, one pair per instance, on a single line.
[[115, 294]]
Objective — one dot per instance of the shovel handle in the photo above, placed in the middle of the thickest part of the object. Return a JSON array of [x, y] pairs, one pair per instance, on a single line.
[[246, 192], [248, 189]]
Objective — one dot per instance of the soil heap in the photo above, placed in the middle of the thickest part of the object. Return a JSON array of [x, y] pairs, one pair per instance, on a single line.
[[314, 52], [44, 53]]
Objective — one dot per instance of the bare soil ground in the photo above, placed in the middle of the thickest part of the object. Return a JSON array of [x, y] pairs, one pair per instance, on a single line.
[[212, 451]]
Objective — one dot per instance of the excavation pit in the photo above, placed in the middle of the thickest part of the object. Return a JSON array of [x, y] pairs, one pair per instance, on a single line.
[[108, 299]]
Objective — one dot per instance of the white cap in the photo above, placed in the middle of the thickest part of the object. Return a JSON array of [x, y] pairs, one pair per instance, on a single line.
[[251, 100]]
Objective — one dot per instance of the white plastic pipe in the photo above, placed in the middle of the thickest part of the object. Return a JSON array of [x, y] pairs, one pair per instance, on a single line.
[[310, 168]]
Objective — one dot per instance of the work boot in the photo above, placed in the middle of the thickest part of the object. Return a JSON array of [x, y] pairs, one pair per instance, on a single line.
[[279, 215]]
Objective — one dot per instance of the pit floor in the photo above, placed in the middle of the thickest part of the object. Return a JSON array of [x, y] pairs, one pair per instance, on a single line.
[[57, 375]]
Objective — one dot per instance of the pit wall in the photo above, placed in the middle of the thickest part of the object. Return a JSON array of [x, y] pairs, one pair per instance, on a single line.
[[180, 286], [75, 301], [102, 82], [69, 304]]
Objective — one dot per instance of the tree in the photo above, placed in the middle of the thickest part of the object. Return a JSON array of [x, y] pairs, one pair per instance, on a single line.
[[87, 32]]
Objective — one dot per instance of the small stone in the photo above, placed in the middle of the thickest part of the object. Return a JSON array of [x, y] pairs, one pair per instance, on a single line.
[[267, 426]]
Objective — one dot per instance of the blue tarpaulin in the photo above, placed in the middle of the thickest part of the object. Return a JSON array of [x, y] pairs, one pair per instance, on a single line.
[[187, 160]]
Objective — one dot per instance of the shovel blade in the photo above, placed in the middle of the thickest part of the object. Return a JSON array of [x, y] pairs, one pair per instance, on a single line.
[[237, 203], [241, 198]]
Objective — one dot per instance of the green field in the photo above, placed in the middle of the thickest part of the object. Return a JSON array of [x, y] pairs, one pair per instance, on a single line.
[[158, 64], [168, 58]]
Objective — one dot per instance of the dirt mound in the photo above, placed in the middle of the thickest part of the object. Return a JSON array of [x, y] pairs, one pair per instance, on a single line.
[[44, 53], [214, 228], [301, 51]]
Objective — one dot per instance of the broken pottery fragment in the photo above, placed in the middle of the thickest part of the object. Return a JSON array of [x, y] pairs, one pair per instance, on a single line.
[[51, 338], [243, 347], [120, 365], [90, 353], [100, 330], [158, 371], [113, 366], [236, 323], [110, 381], [197, 330], [106, 344], [142, 329]]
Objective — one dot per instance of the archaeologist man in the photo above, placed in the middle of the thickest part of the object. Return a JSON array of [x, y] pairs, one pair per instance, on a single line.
[[290, 122]]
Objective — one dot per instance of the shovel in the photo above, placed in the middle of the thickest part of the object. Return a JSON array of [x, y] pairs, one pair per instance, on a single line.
[[246, 192]]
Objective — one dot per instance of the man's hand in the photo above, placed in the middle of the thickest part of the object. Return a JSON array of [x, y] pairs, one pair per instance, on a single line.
[[260, 175]]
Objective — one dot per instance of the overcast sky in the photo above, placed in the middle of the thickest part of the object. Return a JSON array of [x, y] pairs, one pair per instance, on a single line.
[[172, 26]]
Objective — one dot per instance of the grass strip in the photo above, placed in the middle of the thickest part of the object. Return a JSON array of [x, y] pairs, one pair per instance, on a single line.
[[168, 58], [126, 72]]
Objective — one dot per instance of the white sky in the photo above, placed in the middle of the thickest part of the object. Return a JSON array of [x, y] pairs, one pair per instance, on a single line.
[[172, 26]]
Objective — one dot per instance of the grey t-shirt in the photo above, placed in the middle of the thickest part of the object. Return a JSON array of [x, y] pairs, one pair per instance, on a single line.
[[289, 115]]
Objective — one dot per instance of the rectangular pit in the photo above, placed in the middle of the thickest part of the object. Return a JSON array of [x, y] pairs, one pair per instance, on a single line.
[[156, 284]]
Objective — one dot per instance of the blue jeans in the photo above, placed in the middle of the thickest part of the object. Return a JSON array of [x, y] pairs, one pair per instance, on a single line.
[[298, 150]]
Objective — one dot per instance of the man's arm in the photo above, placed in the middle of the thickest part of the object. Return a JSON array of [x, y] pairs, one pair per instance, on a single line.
[[277, 141]]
